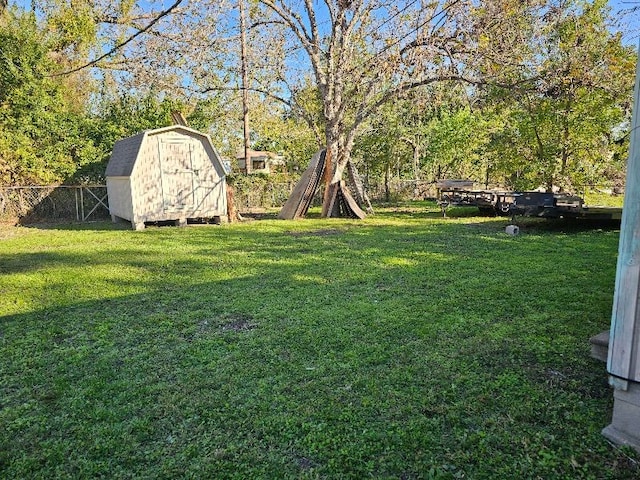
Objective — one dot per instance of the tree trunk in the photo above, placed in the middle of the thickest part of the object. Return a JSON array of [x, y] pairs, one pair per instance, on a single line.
[[338, 155], [416, 157], [564, 156], [328, 175]]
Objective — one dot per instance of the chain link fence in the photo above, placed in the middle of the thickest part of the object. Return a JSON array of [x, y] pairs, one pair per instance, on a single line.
[[396, 190], [89, 202], [59, 202], [261, 191]]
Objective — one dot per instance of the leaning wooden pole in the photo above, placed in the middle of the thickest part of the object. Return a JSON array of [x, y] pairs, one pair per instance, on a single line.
[[329, 189], [623, 363]]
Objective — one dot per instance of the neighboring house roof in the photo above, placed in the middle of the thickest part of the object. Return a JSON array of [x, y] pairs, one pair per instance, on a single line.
[[125, 151]]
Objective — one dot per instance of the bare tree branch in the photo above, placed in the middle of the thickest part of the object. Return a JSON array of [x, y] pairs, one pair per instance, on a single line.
[[297, 27], [117, 47]]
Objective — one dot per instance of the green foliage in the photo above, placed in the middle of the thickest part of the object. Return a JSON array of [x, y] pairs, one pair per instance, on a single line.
[[434, 126], [289, 137], [457, 142], [125, 115], [288, 133], [396, 137], [261, 189], [401, 346], [204, 113], [559, 129], [563, 120], [74, 26], [58, 129], [43, 137]]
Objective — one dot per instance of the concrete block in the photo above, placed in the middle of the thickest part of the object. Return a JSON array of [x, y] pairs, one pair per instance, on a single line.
[[600, 346], [625, 423], [512, 230]]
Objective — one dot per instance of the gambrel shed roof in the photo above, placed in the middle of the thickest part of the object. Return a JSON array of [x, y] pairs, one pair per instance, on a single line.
[[126, 151]]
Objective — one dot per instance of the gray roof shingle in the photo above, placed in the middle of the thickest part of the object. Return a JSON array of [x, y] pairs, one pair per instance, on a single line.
[[125, 152], [124, 155]]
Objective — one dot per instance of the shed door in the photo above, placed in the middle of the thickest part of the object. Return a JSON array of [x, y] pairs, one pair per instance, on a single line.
[[177, 175]]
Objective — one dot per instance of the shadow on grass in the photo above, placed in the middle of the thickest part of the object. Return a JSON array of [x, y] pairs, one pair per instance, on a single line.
[[376, 350], [154, 386], [567, 225], [193, 380], [339, 242]]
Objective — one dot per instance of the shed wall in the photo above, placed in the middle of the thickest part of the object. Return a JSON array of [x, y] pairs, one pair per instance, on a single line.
[[146, 184], [175, 178], [166, 174], [120, 198]]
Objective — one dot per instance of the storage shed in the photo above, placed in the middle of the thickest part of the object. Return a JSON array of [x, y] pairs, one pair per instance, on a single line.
[[168, 174]]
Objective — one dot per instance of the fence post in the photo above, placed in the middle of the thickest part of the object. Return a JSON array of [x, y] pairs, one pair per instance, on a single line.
[[75, 195]]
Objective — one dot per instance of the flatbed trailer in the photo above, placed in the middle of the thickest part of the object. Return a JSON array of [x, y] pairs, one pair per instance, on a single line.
[[526, 204]]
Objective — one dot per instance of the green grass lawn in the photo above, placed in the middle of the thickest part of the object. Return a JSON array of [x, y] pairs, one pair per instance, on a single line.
[[402, 346]]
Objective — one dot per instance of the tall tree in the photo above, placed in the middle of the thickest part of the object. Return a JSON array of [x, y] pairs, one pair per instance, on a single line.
[[43, 127], [435, 132], [560, 127], [58, 127], [364, 53]]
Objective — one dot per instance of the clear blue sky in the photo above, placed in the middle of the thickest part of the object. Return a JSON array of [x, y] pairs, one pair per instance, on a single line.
[[630, 22]]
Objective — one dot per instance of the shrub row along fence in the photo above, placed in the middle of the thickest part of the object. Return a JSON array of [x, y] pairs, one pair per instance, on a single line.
[[261, 191]]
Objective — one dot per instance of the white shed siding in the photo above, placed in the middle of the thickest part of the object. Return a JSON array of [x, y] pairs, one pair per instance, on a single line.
[[147, 189], [175, 174], [119, 189]]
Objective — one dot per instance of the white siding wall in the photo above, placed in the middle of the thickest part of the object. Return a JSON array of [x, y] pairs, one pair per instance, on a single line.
[[150, 172], [147, 184], [119, 191], [157, 190], [211, 197]]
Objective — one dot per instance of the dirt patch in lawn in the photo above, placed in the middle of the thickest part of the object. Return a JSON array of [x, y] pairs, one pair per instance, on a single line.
[[237, 322]]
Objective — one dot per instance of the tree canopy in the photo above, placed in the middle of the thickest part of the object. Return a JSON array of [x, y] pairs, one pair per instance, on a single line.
[[521, 94]]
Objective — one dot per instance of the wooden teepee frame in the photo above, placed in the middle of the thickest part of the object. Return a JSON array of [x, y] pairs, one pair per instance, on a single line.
[[338, 199]]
